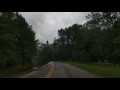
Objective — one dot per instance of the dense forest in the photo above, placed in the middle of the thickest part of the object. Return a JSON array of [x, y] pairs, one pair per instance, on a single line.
[[98, 39], [17, 40]]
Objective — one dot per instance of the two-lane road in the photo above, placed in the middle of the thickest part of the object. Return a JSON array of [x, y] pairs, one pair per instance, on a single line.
[[59, 70]]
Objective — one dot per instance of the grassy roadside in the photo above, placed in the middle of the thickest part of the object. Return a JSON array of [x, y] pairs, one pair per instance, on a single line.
[[102, 71], [15, 72], [19, 74]]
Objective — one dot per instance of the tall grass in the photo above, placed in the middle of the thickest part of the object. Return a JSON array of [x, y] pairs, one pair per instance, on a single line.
[[100, 70]]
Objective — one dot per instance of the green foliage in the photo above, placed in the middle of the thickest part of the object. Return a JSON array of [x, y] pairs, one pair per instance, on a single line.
[[96, 40], [116, 52], [17, 40], [105, 70]]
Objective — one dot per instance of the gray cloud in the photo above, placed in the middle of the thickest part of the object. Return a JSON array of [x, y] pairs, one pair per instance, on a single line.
[[47, 24]]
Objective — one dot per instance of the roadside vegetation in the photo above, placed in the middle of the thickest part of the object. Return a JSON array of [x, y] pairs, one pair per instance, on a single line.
[[18, 46], [102, 69], [15, 71], [95, 41]]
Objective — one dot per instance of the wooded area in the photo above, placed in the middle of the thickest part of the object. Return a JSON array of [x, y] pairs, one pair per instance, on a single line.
[[17, 40], [97, 40]]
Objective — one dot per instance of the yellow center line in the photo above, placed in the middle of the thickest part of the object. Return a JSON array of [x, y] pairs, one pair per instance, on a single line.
[[50, 72]]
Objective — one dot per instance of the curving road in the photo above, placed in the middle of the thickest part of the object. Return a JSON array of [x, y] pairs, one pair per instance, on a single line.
[[59, 70]]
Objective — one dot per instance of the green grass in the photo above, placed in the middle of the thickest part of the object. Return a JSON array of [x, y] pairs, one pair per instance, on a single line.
[[101, 71]]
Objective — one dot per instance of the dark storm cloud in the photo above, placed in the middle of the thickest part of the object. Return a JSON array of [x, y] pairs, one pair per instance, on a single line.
[[47, 24]]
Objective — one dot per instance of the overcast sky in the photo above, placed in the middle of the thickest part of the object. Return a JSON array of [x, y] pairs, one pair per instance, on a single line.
[[47, 24]]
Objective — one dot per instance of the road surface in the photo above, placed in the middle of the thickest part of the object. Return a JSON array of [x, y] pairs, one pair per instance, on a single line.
[[59, 70]]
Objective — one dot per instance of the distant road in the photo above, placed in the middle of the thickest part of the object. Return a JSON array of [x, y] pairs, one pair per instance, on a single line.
[[59, 70]]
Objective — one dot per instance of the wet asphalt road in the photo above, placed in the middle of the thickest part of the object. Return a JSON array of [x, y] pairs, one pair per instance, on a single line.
[[59, 70]]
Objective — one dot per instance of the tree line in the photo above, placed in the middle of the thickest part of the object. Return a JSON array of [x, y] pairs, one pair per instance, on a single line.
[[98, 39], [18, 45]]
